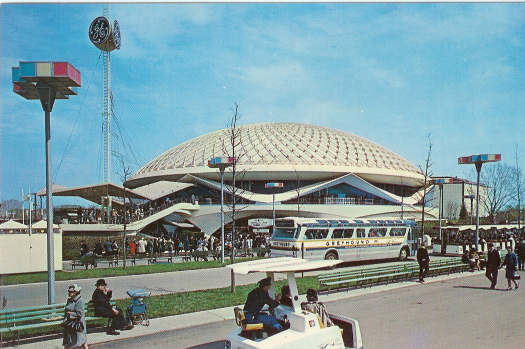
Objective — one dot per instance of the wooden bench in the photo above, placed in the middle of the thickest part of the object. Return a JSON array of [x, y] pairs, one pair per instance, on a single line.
[[381, 274], [109, 260], [90, 312], [41, 316], [16, 319], [196, 255], [160, 259], [84, 261], [355, 278]]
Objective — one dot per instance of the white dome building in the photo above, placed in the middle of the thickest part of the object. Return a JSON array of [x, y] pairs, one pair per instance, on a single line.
[[325, 172]]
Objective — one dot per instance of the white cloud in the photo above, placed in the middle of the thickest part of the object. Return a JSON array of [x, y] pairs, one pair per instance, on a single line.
[[276, 76]]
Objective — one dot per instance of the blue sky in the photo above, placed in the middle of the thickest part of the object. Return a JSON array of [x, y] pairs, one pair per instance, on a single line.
[[392, 73]]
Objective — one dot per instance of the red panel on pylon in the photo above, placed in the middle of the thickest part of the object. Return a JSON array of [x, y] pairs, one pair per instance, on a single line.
[[74, 74], [60, 68]]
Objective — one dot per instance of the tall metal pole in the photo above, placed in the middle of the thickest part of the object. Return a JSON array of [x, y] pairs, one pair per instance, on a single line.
[[221, 169], [47, 96], [439, 215], [49, 205], [471, 200], [478, 170], [30, 221], [273, 212]]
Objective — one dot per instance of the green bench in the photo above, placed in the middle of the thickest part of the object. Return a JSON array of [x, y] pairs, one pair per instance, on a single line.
[[382, 274], [17, 319]]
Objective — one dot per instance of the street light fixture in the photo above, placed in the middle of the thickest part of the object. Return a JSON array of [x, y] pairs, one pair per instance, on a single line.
[[47, 81], [273, 185], [221, 163], [478, 160]]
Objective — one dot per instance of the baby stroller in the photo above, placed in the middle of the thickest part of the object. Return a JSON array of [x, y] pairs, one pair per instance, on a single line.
[[136, 311]]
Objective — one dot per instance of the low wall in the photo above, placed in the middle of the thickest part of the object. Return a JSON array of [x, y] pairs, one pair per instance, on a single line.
[[21, 253]]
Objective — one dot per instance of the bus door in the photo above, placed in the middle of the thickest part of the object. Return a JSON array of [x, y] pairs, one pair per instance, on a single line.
[[412, 239], [359, 250]]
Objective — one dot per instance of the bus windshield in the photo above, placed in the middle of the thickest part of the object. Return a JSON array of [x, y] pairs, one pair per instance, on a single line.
[[284, 233]]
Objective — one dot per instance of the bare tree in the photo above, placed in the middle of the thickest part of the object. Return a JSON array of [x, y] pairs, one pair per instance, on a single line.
[[518, 185], [452, 209], [126, 172], [427, 173], [234, 148], [500, 192]]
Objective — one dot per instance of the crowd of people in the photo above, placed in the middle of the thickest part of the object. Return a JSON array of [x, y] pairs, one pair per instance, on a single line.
[[133, 212], [468, 238], [175, 245]]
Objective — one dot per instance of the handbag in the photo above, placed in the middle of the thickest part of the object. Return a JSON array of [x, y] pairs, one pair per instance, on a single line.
[[72, 324]]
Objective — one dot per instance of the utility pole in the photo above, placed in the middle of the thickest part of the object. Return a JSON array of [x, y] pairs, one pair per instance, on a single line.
[[478, 160]]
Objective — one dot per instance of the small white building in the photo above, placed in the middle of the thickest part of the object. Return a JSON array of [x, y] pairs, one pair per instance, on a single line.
[[22, 252], [456, 194]]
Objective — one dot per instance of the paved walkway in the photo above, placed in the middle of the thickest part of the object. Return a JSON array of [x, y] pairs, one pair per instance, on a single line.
[[159, 283], [204, 317]]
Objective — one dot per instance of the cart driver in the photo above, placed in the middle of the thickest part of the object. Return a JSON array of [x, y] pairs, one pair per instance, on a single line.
[[257, 298]]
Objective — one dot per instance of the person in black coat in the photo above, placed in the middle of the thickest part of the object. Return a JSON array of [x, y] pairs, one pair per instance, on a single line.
[[255, 301], [423, 261], [492, 266], [520, 251], [103, 308]]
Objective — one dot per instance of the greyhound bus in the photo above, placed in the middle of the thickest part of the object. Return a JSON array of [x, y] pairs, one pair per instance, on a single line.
[[344, 239]]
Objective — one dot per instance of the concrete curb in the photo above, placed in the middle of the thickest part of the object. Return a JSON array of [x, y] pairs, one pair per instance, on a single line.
[[177, 322]]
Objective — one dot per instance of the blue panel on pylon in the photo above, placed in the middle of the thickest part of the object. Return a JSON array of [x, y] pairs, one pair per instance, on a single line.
[[16, 74], [27, 69]]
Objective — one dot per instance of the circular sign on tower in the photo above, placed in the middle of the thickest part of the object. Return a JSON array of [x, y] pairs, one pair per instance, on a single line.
[[103, 36], [116, 34]]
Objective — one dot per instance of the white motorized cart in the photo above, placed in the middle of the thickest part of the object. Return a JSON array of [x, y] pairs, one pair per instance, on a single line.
[[305, 330]]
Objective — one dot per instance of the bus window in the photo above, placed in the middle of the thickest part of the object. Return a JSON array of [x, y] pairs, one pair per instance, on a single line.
[[398, 231], [348, 233], [284, 233], [360, 233], [377, 232], [309, 234], [322, 233], [337, 234]]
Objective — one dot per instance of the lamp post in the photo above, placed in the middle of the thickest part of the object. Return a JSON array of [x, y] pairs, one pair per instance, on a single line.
[[273, 185], [47, 81], [221, 163], [478, 160], [471, 197]]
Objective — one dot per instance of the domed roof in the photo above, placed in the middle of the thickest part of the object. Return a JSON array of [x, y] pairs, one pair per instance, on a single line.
[[279, 148]]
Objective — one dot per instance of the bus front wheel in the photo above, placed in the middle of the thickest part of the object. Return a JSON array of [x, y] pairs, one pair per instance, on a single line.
[[403, 254], [331, 256]]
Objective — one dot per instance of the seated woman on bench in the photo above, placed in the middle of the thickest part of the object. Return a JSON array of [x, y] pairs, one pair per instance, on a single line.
[[313, 306], [257, 298], [103, 308]]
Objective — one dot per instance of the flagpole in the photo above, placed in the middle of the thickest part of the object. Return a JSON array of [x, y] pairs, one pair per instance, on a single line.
[[23, 209]]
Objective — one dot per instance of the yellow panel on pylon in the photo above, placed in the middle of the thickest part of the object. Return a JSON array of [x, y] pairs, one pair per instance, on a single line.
[[43, 69]]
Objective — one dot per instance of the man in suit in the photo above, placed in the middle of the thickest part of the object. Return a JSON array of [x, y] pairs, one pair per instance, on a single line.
[[423, 261], [493, 264]]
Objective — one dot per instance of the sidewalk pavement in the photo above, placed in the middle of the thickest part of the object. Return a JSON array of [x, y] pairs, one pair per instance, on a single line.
[[176, 322]]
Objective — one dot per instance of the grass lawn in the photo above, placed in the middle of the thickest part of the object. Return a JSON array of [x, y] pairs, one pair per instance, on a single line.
[[115, 271], [184, 302]]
